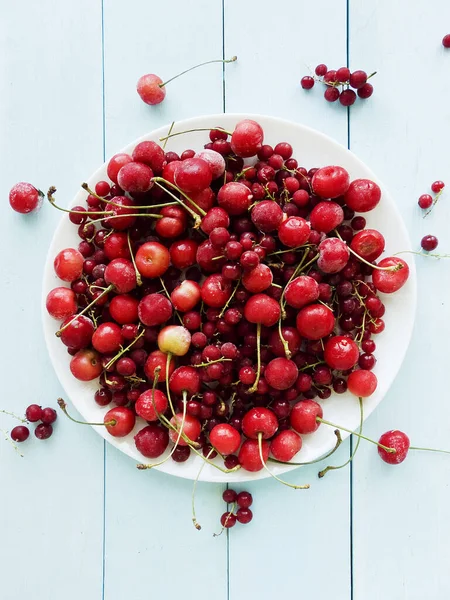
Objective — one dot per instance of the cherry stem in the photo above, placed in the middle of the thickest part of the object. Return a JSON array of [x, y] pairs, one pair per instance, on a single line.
[[161, 139], [63, 406], [287, 352], [179, 431], [85, 309], [211, 362], [168, 296], [108, 201], [168, 133], [427, 254], [363, 437], [209, 62], [429, 449], [194, 488], [11, 441], [123, 350], [193, 214], [366, 262], [138, 275], [169, 358], [229, 299], [10, 414], [254, 387], [311, 462], [361, 420], [291, 485], [294, 274], [436, 198], [52, 190]]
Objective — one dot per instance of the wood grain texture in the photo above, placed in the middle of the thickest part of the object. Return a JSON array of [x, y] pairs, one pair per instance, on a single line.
[[301, 538], [150, 538], [401, 530], [51, 503]]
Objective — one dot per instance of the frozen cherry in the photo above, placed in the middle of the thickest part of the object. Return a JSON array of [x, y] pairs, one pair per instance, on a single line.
[[25, 198]]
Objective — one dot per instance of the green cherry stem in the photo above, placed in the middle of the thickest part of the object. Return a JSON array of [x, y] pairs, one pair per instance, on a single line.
[[254, 387], [112, 203], [361, 420], [363, 437], [123, 350], [162, 139], [291, 485], [63, 406], [194, 489], [87, 213], [337, 433], [85, 309], [138, 275], [208, 62], [10, 414], [366, 262], [168, 133], [429, 449]]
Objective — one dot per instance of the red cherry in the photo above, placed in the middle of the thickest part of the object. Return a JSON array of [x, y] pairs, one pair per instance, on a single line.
[[341, 353], [267, 215], [185, 379], [294, 232], [151, 403], [333, 255], [135, 178], [249, 457], [158, 359], [186, 295], [149, 89], [326, 216], [191, 428], [315, 321], [362, 195], [301, 291], [225, 438], [86, 365], [33, 413], [151, 441], [152, 259], [124, 309], [193, 175], [61, 303], [25, 198], [68, 264], [259, 420], [390, 281], [362, 383], [285, 445], [107, 338], [77, 333], [247, 138], [281, 373], [151, 154], [368, 243], [394, 439], [121, 421], [260, 308], [116, 163], [120, 273], [258, 279], [234, 198], [182, 253], [20, 433], [154, 309], [330, 182], [304, 415]]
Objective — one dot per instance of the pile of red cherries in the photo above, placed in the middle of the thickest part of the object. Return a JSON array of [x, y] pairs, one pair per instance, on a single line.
[[340, 84], [218, 294]]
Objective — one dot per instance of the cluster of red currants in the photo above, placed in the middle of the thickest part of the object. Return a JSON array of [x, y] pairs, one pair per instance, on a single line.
[[342, 78], [242, 501], [35, 414], [220, 296]]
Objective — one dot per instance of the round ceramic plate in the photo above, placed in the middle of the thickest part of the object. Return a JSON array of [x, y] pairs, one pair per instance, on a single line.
[[312, 149]]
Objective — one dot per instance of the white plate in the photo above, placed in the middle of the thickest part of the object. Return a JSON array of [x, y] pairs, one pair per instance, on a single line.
[[312, 149]]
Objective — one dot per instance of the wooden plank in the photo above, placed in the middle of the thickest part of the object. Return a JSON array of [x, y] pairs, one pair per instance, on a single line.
[[149, 533], [401, 534], [303, 537], [51, 505]]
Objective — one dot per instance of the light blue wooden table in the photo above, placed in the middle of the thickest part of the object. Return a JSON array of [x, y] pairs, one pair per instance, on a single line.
[[77, 520]]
